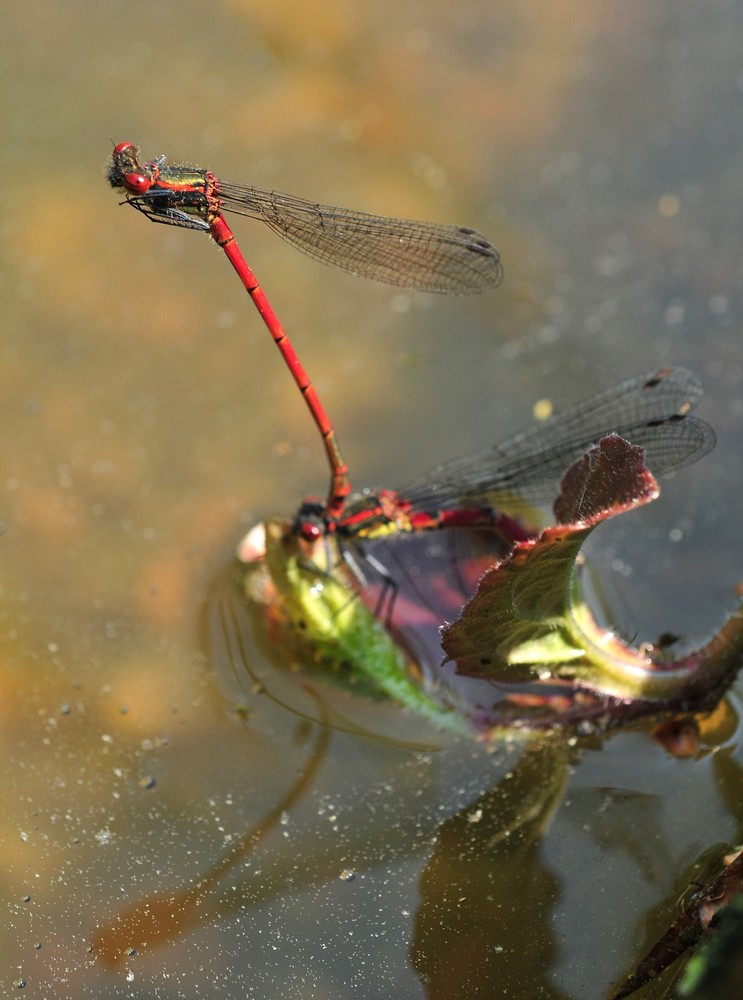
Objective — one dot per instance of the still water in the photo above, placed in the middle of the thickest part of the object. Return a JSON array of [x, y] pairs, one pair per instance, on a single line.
[[157, 839]]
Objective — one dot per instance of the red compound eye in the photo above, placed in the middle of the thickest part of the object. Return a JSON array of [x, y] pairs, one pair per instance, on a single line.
[[137, 183], [310, 532], [124, 146]]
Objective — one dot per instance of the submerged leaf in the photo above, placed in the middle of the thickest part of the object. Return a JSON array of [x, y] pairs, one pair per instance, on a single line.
[[699, 919], [715, 971]]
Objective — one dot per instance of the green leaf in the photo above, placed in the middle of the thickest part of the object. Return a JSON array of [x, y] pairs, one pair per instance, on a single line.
[[522, 615], [527, 620], [315, 613]]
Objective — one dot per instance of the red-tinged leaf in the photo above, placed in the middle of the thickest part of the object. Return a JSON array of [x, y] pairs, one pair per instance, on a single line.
[[608, 480], [533, 646], [689, 927], [518, 622], [515, 621]]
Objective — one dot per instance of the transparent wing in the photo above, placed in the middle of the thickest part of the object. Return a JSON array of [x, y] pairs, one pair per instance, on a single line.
[[651, 410], [428, 256]]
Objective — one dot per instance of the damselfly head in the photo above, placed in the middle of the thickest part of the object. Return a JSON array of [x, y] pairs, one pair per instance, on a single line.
[[124, 162], [311, 522]]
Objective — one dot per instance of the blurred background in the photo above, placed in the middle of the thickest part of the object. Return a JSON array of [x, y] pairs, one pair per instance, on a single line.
[[147, 421]]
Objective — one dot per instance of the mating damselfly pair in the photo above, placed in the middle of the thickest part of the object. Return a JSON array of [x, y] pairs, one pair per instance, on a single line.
[[652, 410]]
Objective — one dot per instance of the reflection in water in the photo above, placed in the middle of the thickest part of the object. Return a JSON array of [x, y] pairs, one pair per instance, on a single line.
[[488, 898], [710, 883], [486, 842], [487, 895], [157, 920]]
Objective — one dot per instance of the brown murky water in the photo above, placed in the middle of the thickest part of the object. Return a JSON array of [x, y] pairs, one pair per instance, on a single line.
[[154, 841]]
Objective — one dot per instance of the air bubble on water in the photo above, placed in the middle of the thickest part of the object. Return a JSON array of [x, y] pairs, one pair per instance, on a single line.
[[675, 312], [718, 305]]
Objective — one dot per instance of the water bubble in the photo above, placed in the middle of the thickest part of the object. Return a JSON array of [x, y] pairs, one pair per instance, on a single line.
[[543, 409], [718, 305], [669, 205]]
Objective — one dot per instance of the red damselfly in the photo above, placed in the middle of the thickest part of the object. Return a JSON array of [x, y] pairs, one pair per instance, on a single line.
[[500, 492], [499, 486], [483, 489], [426, 256]]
